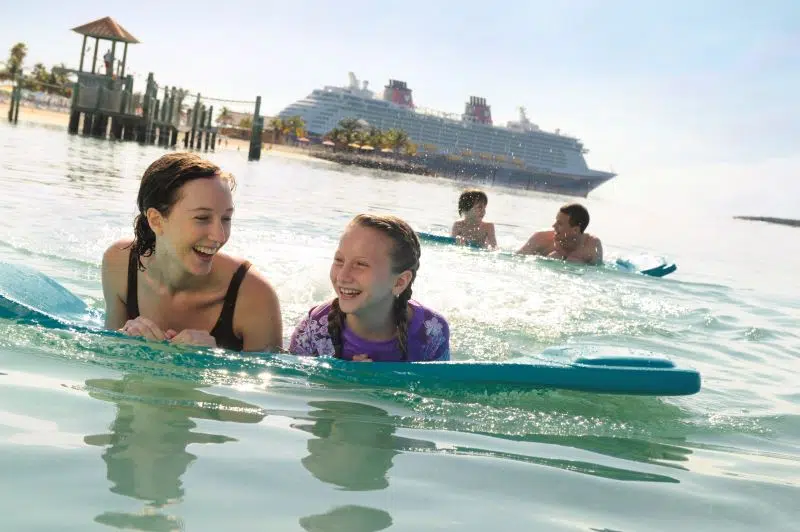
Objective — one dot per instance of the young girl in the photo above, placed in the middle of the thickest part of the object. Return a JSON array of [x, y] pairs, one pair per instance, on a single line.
[[472, 229], [373, 317]]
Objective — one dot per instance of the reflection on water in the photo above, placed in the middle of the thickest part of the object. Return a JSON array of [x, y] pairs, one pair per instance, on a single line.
[[146, 452], [353, 448], [649, 452], [354, 445], [576, 466], [349, 518]]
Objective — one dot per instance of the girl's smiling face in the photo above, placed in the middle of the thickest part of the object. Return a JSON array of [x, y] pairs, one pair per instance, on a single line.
[[362, 272]]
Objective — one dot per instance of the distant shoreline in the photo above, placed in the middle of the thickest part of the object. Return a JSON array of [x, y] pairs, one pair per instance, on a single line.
[[51, 117], [370, 161], [771, 220]]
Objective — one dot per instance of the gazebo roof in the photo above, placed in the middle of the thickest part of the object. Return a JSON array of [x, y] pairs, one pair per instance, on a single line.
[[106, 28]]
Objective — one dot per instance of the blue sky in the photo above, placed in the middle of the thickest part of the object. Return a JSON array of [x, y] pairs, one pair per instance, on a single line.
[[654, 88]]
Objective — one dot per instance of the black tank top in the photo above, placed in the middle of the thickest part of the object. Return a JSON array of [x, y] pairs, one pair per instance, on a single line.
[[223, 329]]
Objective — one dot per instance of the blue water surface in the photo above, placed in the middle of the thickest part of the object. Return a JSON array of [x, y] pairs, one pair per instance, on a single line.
[[98, 433]]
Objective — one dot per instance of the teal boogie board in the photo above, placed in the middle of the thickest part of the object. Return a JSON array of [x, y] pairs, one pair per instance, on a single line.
[[28, 296], [643, 264]]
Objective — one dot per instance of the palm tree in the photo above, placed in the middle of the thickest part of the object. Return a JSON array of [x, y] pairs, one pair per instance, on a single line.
[[224, 117], [40, 78], [277, 126], [59, 78], [396, 139], [350, 130], [15, 59], [337, 136], [372, 137]]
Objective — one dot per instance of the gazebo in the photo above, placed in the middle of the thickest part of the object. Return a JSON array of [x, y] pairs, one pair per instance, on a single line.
[[106, 29]]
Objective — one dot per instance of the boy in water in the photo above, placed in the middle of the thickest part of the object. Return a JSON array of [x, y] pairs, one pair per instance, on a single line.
[[471, 229]]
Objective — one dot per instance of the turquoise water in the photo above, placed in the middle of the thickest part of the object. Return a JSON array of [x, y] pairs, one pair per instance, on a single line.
[[107, 434]]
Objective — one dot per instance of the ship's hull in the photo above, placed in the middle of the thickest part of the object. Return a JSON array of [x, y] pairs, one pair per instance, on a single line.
[[488, 174], [531, 180]]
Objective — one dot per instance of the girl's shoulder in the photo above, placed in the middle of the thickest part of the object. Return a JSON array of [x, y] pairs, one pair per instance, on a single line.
[[320, 311], [431, 320], [316, 319]]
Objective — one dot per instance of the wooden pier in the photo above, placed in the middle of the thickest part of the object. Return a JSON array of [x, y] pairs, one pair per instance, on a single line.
[[104, 104]]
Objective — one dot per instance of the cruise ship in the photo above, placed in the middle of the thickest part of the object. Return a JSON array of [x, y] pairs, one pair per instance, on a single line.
[[469, 145]]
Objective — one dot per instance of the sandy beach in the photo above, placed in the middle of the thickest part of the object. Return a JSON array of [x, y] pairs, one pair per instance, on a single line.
[[61, 119], [38, 116]]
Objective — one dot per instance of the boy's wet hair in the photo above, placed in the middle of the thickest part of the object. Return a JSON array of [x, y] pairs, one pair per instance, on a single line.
[[578, 215], [405, 255], [469, 198], [159, 189]]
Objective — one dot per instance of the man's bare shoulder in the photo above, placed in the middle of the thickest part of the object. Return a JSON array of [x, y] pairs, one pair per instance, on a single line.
[[591, 240], [592, 251], [540, 242], [543, 236]]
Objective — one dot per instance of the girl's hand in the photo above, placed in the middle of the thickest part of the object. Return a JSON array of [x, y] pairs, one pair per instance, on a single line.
[[361, 358]]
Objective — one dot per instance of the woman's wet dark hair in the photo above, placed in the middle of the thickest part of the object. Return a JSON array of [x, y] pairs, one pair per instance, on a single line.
[[159, 189], [406, 252]]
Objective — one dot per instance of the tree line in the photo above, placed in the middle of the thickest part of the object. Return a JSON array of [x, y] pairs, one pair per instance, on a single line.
[[39, 78], [348, 132], [352, 131]]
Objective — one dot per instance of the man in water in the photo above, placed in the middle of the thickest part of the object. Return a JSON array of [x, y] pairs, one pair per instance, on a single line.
[[567, 240]]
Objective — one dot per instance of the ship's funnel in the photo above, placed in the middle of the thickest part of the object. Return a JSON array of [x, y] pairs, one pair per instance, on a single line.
[[476, 110], [398, 92]]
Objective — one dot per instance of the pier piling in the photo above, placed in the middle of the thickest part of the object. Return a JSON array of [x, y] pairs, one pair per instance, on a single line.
[[255, 133]]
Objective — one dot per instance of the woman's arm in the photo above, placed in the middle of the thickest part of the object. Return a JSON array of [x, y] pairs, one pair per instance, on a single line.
[[258, 314], [114, 272]]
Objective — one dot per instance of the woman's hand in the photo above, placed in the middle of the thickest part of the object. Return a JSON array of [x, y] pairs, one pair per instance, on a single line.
[[193, 337], [145, 328], [361, 358]]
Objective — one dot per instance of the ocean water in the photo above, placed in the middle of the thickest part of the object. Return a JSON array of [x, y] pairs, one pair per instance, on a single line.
[[99, 434]]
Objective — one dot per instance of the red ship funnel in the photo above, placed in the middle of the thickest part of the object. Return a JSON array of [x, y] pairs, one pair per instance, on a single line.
[[476, 110], [399, 93]]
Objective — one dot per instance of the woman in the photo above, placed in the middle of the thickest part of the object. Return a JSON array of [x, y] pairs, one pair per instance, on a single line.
[[171, 282]]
